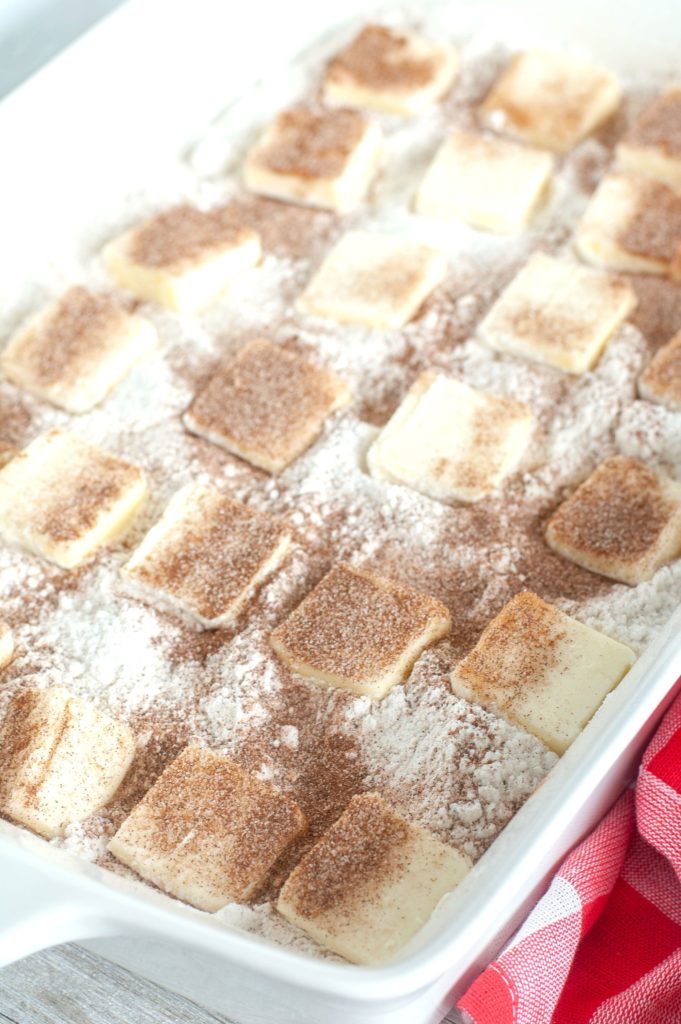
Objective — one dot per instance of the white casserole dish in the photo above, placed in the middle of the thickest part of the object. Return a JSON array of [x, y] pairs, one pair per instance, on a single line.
[[77, 133]]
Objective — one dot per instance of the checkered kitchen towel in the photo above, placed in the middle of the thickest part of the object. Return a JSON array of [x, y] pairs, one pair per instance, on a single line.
[[603, 946]]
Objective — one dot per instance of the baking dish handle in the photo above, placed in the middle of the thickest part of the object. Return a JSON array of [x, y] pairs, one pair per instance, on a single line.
[[36, 913]]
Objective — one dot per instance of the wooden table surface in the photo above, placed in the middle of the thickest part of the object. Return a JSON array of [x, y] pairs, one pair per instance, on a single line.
[[70, 985]]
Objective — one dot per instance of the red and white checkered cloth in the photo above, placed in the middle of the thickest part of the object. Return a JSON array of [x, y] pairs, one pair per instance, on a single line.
[[603, 945]]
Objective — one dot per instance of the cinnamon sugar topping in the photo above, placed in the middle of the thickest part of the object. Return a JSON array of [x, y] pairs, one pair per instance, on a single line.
[[624, 521], [183, 236], [359, 630], [381, 58], [654, 228], [620, 510], [267, 406], [659, 125], [77, 349], [208, 831], [310, 144], [207, 554], [360, 850], [75, 334], [63, 497], [661, 380], [515, 652]]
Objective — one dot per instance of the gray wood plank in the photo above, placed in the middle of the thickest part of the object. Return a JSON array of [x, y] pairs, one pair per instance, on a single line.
[[69, 985]]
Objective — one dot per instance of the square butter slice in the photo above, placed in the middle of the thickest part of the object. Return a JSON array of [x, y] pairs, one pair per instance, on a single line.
[[267, 406], [542, 670], [324, 158], [75, 352], [550, 99], [624, 521], [370, 883], [372, 279], [632, 223], [359, 631], [661, 380], [484, 181], [61, 759], [207, 554], [207, 831], [450, 441], [183, 258], [396, 71], [63, 498], [652, 145], [558, 313]]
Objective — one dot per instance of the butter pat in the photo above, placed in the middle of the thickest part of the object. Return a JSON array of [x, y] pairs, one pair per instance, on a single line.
[[326, 158], [451, 442], [558, 313], [183, 258], [376, 280], [661, 380], [370, 883], [542, 670], [74, 352], [395, 71], [631, 223], [652, 145], [60, 759], [266, 406], [207, 555], [624, 521], [485, 181], [63, 499], [207, 831], [359, 631], [550, 99]]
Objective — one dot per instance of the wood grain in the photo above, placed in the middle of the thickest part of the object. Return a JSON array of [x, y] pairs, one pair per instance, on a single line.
[[69, 985]]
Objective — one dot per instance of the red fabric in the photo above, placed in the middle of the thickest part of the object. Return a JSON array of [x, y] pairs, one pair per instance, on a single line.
[[603, 945]]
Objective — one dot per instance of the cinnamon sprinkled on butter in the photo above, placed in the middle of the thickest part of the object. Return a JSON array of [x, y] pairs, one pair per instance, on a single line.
[[654, 230], [661, 379], [659, 125], [267, 405], [381, 58], [228, 826], [310, 144], [209, 554], [620, 511], [515, 652], [358, 853], [184, 235], [74, 338], [355, 624]]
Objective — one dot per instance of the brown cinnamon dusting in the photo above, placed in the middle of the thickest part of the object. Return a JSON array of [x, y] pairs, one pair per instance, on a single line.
[[352, 859], [659, 126], [268, 403], [619, 511], [557, 108], [382, 59], [185, 235], [311, 145], [661, 379], [654, 230], [81, 330], [206, 806], [355, 624], [209, 559], [286, 229], [516, 650]]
